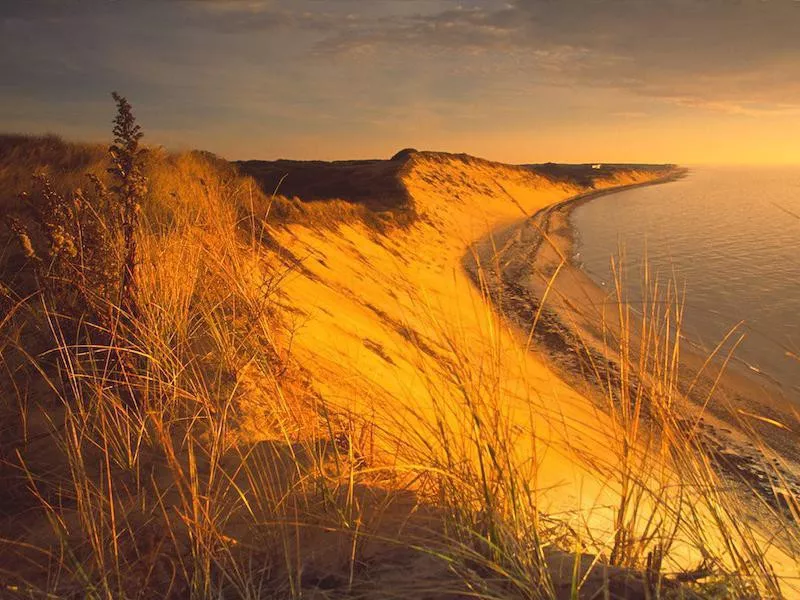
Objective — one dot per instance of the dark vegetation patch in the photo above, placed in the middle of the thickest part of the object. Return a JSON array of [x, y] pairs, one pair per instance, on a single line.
[[373, 183], [586, 175], [417, 340], [404, 154], [382, 315], [373, 186], [22, 156]]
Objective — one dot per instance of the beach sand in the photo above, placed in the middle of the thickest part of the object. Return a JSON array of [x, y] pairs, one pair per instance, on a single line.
[[534, 279]]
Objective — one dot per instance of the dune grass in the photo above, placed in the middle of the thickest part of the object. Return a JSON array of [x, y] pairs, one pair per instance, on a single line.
[[181, 451]]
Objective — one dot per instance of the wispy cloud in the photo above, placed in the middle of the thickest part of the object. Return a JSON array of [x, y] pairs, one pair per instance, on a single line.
[[742, 108]]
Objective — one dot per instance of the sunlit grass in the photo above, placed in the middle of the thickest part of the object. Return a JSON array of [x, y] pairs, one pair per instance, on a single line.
[[187, 454]]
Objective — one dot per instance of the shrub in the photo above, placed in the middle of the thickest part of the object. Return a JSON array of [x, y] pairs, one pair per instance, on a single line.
[[82, 245], [70, 247]]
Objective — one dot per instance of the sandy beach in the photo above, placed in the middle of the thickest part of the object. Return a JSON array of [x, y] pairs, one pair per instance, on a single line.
[[530, 273]]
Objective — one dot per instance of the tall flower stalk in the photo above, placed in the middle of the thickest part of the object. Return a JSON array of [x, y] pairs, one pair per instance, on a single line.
[[130, 187]]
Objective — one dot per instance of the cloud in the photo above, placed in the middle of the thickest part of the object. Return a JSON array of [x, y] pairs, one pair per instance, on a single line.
[[710, 50], [744, 108], [301, 67], [713, 52]]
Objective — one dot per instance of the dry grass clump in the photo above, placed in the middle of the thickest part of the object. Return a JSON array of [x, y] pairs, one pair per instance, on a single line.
[[73, 251], [672, 495], [226, 475], [172, 495], [21, 156]]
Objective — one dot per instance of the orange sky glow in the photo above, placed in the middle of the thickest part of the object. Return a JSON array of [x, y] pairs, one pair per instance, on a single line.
[[687, 81]]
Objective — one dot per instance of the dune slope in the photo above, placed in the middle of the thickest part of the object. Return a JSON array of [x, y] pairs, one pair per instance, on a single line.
[[379, 316], [314, 397]]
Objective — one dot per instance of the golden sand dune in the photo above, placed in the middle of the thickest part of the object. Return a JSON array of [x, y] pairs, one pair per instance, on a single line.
[[379, 315], [397, 329]]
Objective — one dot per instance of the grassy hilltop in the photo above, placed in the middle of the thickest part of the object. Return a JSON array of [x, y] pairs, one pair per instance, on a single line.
[[300, 393]]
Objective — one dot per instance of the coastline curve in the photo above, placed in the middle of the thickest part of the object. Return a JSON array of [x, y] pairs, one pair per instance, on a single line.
[[528, 273]]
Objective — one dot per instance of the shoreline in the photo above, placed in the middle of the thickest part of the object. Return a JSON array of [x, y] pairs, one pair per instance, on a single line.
[[537, 275]]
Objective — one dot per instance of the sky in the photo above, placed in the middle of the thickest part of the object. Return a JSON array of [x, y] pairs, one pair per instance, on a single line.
[[685, 81]]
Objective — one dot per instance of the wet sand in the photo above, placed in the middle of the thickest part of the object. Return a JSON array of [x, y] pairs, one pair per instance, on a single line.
[[531, 276]]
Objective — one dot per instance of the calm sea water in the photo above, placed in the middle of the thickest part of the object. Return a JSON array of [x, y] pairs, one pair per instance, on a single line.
[[728, 236]]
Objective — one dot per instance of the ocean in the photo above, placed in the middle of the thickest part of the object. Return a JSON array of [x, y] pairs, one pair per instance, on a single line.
[[730, 238]]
